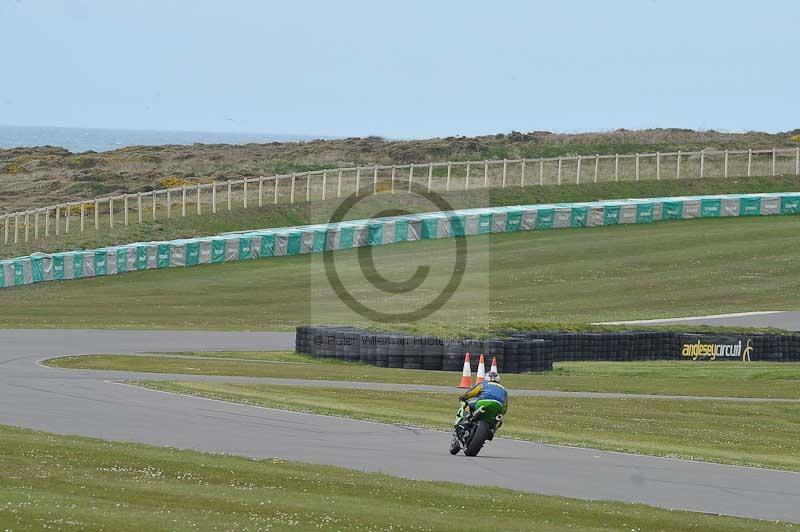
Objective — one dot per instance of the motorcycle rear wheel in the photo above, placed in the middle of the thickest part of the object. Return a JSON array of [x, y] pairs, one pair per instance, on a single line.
[[479, 436]]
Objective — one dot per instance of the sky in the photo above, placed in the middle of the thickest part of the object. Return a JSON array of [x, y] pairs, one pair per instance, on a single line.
[[402, 69]]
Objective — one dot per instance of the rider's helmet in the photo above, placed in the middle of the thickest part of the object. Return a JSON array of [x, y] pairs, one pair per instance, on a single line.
[[492, 376]]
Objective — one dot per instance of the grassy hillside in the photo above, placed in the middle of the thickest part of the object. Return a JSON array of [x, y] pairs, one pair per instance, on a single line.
[[282, 215], [567, 275], [32, 177]]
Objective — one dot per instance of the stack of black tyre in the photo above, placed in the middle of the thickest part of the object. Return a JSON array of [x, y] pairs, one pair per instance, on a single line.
[[518, 354]]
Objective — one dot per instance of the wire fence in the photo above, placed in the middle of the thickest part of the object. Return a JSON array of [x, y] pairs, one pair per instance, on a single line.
[[209, 198]]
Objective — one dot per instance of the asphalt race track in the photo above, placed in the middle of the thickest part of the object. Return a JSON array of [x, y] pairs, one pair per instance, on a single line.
[[787, 320], [86, 403]]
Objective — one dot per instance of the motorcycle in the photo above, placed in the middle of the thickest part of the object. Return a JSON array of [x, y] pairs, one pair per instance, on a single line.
[[473, 428]]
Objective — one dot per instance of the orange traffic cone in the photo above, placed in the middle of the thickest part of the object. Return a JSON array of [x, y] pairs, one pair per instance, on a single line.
[[466, 374], [494, 366], [481, 371]]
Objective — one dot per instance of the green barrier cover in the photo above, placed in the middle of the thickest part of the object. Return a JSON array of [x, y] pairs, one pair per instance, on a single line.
[[710, 208], [485, 223], [375, 235], [790, 205], [645, 214], [749, 206], [58, 267], [544, 218], [513, 221], [430, 229], [217, 250], [37, 269], [100, 262], [319, 240], [610, 215], [268, 245], [122, 260], [19, 273], [458, 225], [346, 237], [77, 265], [3, 274], [293, 243], [244, 248], [192, 253], [141, 257], [578, 216], [162, 255]]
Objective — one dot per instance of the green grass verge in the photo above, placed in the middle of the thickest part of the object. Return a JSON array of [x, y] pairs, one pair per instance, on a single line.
[[665, 269], [282, 215], [719, 379], [71, 483], [761, 435]]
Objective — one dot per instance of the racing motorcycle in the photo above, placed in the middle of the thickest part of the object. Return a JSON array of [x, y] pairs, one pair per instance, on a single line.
[[472, 429]]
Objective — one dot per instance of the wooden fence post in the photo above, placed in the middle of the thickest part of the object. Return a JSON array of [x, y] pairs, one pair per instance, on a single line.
[[155, 203], [797, 161], [616, 167], [505, 170], [541, 171], [485, 174], [110, 213], [213, 197], [375, 179], [139, 206], [169, 203], [16, 227], [596, 165], [36, 225], [46, 222], [324, 183], [244, 194], [702, 163], [578, 172], [410, 175], [558, 175], [678, 166], [6, 224], [725, 168], [358, 179], [199, 202], [275, 199], [83, 212], [96, 216], [339, 184], [658, 165], [183, 201], [261, 191], [466, 186], [291, 193], [449, 170], [308, 186], [749, 161], [522, 173], [773, 161], [27, 218], [230, 193], [66, 218], [125, 207], [394, 171], [430, 176]]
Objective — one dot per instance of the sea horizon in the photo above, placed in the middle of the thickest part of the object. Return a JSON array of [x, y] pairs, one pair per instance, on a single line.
[[80, 140]]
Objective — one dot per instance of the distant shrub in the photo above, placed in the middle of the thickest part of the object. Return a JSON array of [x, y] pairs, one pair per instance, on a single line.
[[173, 181], [795, 138], [81, 161], [15, 168]]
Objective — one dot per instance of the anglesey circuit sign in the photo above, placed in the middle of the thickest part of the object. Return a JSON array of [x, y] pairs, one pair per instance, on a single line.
[[718, 347]]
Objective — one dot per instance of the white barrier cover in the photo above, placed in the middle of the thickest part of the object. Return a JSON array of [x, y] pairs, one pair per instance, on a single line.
[[244, 245]]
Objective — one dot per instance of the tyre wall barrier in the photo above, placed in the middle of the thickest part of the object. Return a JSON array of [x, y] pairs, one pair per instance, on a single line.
[[391, 350], [535, 351]]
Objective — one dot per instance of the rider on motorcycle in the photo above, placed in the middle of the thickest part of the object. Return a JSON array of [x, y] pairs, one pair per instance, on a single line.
[[488, 390]]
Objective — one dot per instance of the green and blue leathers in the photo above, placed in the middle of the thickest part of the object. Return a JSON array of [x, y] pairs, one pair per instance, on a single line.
[[479, 417]]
